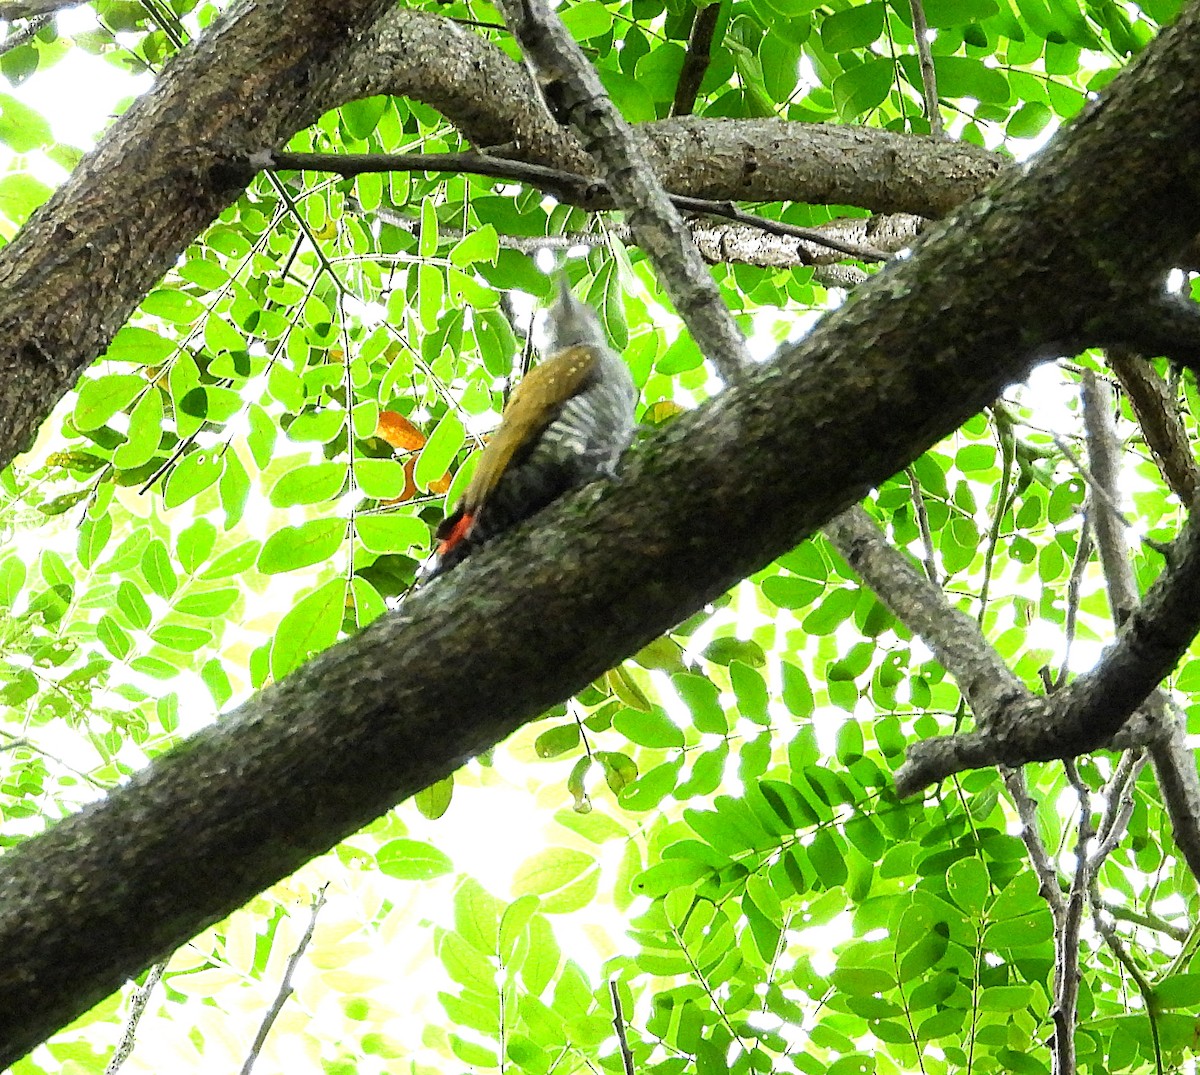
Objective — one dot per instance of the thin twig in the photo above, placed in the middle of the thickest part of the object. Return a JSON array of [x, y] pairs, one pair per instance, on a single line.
[[619, 1026], [697, 59], [1083, 554], [17, 38], [285, 986], [928, 74], [137, 1008], [918, 501]]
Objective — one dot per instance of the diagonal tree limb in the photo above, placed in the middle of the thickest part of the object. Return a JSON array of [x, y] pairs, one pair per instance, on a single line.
[[987, 683], [1159, 421], [928, 74], [1174, 762]]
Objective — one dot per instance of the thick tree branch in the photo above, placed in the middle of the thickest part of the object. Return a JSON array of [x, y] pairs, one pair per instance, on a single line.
[[585, 191]]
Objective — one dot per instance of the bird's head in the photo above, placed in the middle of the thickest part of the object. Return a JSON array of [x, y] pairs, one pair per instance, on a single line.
[[571, 323]]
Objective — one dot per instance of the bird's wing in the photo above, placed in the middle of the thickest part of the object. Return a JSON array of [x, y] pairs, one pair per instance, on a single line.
[[533, 405]]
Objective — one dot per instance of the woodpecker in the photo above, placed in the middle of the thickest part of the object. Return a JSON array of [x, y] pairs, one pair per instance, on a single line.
[[566, 423]]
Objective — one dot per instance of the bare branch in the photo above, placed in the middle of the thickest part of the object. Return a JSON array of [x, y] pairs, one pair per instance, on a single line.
[[1043, 865], [17, 38], [928, 75], [1108, 524], [285, 984], [619, 1027], [137, 1008], [918, 502], [987, 683], [696, 60], [1159, 419], [581, 190]]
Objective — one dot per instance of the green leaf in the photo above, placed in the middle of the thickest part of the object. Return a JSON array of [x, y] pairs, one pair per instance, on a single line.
[[131, 602], [587, 19], [412, 860], [1179, 991], [180, 638], [314, 483], [293, 547], [145, 432], [209, 603], [965, 76], [157, 569], [21, 128], [139, 345], [362, 116], [444, 442], [658, 70], [195, 544], [556, 741], [565, 878], [427, 242], [113, 637], [854, 28], [652, 729], [787, 591], [391, 533], [862, 88], [946, 13], [233, 562], [21, 194], [780, 62], [701, 697], [434, 801], [650, 788], [797, 694], [192, 475], [310, 626], [482, 244], [750, 689], [101, 398], [620, 770], [380, 479]]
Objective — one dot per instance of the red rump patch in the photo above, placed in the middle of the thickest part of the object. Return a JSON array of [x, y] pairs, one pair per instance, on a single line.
[[457, 533]]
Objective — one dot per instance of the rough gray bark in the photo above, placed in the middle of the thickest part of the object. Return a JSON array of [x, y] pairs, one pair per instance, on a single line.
[[525, 623]]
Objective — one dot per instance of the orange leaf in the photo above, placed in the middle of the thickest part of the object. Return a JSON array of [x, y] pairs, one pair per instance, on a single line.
[[410, 486], [399, 432]]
